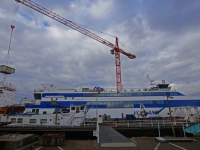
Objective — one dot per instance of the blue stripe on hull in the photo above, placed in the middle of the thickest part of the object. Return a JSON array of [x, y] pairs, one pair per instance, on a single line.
[[173, 103]]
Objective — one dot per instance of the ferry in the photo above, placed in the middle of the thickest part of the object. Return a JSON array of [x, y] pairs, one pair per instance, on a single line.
[[148, 102]]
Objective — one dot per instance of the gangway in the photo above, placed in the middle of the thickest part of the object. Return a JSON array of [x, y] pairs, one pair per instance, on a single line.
[[109, 137]]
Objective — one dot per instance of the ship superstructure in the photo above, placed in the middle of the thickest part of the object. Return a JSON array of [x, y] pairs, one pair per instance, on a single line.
[[7, 93]]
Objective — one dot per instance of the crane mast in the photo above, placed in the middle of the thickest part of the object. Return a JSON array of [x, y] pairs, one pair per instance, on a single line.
[[115, 48]]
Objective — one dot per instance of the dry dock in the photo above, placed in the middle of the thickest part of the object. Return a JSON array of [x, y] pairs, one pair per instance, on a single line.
[[142, 143]]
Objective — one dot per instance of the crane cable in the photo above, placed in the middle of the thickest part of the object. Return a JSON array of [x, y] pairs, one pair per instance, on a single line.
[[8, 56], [96, 30], [105, 34], [124, 46], [13, 19]]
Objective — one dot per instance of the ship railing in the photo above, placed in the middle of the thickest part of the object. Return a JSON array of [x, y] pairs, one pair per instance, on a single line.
[[148, 123], [118, 124]]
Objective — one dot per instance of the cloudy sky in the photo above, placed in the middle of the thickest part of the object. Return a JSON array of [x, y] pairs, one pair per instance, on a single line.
[[163, 34]]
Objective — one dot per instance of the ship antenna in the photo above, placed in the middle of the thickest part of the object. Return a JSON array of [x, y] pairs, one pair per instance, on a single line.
[[151, 82]]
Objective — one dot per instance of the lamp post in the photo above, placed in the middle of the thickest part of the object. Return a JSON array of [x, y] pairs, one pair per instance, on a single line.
[[171, 115]]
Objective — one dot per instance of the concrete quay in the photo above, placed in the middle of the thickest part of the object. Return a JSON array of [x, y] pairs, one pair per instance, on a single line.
[[142, 143]]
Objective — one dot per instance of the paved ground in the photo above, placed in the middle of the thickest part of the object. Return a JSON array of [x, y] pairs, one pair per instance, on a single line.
[[143, 143]]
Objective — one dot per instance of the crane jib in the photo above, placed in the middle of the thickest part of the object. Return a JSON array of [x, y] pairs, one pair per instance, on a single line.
[[115, 48]]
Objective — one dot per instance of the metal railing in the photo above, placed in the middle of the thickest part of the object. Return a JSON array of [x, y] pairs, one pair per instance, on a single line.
[[119, 124]]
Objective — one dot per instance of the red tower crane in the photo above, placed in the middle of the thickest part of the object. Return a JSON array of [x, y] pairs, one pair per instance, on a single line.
[[115, 48]]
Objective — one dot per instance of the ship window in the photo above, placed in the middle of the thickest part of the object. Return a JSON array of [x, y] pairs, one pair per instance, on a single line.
[[72, 97], [72, 108], [154, 102], [13, 120], [37, 111], [126, 94], [108, 104], [145, 94], [119, 94], [33, 110], [117, 104], [86, 95], [56, 98], [134, 94], [65, 97], [19, 120], [112, 104], [163, 94], [43, 120], [85, 89], [120, 104], [82, 108], [37, 96], [77, 109], [101, 95], [126, 104], [93, 95], [44, 112], [103, 103], [107, 94], [160, 102], [32, 120], [111, 94]]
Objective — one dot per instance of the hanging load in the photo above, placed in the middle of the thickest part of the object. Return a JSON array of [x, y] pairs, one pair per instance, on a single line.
[[3, 68], [6, 70]]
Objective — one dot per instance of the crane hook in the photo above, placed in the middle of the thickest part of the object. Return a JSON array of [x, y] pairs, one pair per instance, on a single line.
[[12, 27]]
